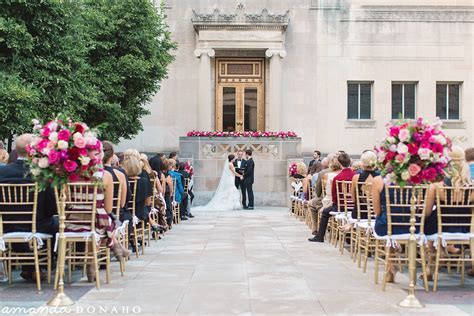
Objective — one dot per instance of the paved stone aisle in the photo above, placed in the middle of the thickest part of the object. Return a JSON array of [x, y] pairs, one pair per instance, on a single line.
[[249, 263]]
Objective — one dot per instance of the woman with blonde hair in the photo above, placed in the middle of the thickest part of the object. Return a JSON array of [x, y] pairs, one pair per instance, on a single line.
[[459, 177], [302, 174], [3, 157], [335, 168]]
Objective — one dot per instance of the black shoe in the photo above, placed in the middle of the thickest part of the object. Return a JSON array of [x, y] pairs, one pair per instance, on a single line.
[[190, 215], [250, 208], [184, 218], [246, 208], [315, 239]]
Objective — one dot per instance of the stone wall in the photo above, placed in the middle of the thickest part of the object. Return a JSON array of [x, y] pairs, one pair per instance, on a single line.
[[326, 44], [271, 156]]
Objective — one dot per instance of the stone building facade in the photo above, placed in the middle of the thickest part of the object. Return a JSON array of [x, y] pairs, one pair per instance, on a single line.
[[333, 71]]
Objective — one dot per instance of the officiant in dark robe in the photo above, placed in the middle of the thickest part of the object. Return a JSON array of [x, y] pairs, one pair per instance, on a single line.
[[240, 163]]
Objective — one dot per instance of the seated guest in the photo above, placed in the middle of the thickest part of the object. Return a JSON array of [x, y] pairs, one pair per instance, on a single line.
[[18, 173], [179, 195], [153, 178], [118, 177], [368, 162], [156, 161], [3, 157], [470, 160], [169, 192], [104, 225], [345, 174], [134, 168], [380, 210], [316, 203], [301, 174], [460, 177], [357, 166], [186, 175]]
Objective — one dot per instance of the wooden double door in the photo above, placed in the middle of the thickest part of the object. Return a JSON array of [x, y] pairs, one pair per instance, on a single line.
[[240, 104]]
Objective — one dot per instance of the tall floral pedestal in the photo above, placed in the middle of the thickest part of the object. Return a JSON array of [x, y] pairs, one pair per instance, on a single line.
[[271, 156]]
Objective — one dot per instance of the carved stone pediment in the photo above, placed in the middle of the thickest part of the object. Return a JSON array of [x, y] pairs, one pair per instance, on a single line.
[[240, 19]]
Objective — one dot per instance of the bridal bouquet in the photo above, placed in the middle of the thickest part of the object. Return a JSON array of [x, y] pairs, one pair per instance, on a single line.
[[59, 152], [292, 170], [414, 152]]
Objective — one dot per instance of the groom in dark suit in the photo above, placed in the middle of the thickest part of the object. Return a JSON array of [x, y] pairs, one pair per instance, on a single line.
[[239, 165], [248, 180]]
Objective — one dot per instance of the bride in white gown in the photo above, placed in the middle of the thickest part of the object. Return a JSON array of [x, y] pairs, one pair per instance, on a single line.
[[227, 196]]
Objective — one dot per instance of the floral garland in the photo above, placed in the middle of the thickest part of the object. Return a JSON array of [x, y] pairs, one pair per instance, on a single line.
[[293, 169], [413, 153], [243, 134], [59, 152]]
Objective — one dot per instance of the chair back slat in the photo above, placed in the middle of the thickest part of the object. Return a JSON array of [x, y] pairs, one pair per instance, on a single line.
[[398, 206], [18, 206], [133, 181], [344, 198], [117, 198], [364, 201], [455, 209], [80, 205]]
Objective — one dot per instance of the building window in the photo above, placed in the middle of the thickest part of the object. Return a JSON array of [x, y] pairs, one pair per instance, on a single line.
[[359, 100], [403, 100], [447, 101]]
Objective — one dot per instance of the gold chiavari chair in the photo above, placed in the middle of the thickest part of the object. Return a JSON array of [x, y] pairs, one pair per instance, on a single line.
[[455, 226], [138, 226], [80, 222], [297, 186], [121, 233], [398, 211], [364, 242], [18, 206], [331, 219], [345, 211], [154, 212], [337, 216], [175, 205]]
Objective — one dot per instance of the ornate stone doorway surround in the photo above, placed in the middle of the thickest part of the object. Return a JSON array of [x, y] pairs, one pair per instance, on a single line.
[[246, 35]]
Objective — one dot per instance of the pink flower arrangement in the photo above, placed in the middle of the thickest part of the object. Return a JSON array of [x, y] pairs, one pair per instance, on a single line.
[[413, 153], [59, 152], [293, 169], [189, 169], [243, 134]]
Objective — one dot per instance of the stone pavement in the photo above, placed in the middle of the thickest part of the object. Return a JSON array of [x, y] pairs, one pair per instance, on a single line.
[[246, 263]]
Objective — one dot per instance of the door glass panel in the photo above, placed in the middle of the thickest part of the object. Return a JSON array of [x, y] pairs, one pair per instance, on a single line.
[[228, 109], [250, 107]]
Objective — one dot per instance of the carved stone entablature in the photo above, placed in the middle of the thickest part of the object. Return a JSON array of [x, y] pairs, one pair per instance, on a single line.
[[389, 13], [240, 20]]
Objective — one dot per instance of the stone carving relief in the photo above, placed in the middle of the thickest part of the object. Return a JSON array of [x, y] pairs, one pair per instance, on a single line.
[[240, 17], [220, 151], [386, 13]]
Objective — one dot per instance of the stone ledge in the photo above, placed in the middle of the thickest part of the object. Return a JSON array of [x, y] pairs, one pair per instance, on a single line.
[[454, 124], [360, 124]]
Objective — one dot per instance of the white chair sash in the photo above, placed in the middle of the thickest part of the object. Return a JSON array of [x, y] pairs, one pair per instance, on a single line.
[[135, 221], [85, 235], [122, 228], [27, 236]]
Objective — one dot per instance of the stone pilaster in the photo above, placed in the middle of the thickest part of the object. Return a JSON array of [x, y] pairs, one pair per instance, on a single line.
[[274, 89], [205, 89]]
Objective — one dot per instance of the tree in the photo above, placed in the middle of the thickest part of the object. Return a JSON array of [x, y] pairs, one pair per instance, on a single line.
[[42, 63], [98, 61], [129, 50]]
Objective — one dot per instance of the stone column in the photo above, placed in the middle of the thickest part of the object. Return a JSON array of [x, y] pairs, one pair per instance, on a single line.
[[274, 122], [205, 122]]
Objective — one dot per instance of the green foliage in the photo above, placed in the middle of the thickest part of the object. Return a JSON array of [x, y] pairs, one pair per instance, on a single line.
[[97, 60]]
